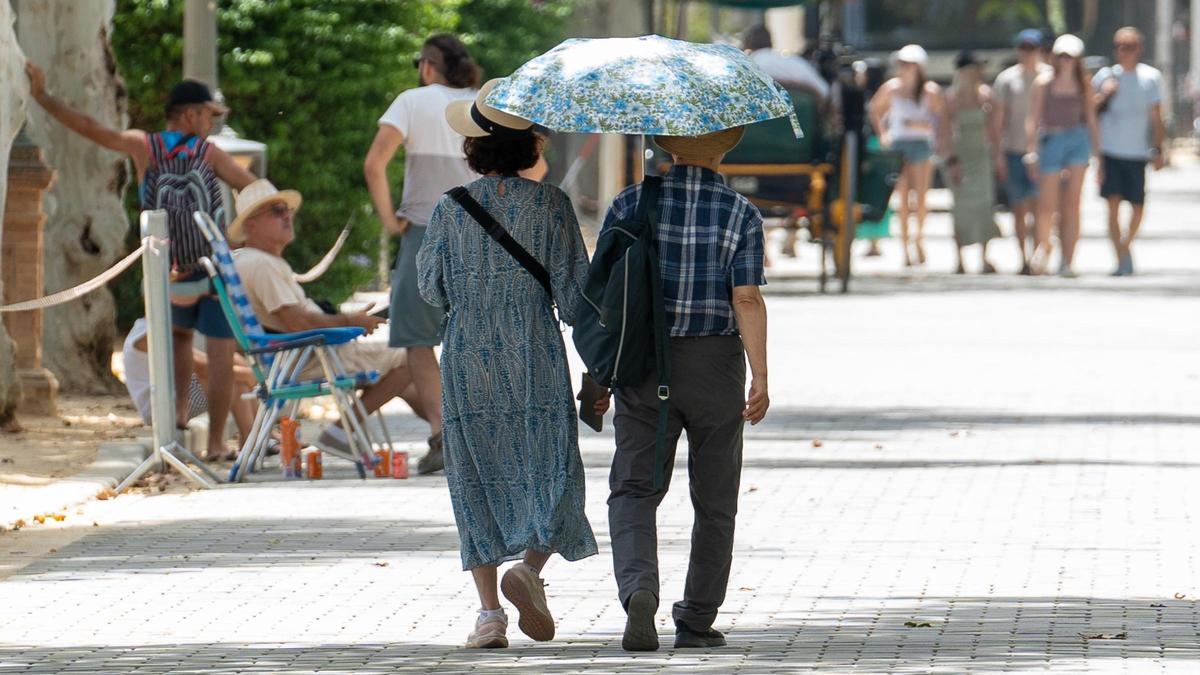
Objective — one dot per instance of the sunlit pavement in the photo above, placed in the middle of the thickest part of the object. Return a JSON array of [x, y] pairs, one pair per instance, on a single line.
[[957, 474]]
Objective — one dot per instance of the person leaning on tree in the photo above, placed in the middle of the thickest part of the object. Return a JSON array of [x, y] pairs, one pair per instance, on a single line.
[[169, 165]]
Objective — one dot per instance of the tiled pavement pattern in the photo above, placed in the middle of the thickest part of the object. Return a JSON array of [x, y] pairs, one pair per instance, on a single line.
[[958, 475]]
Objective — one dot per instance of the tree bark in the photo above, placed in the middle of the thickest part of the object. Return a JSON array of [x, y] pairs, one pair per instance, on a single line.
[[87, 223], [12, 115]]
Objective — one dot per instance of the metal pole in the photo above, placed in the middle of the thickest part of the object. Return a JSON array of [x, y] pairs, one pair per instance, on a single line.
[[156, 265], [200, 41], [1164, 56]]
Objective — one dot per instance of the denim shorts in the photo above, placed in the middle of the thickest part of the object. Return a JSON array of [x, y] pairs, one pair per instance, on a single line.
[[205, 316], [1018, 185], [1059, 150], [913, 150]]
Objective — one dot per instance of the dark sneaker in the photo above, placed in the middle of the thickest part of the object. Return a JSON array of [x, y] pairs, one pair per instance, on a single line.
[[686, 638], [432, 462], [640, 634]]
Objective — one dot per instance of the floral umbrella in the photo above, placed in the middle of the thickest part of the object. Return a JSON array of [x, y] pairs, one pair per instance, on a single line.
[[643, 85]]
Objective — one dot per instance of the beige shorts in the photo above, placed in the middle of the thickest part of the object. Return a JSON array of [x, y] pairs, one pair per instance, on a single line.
[[359, 357]]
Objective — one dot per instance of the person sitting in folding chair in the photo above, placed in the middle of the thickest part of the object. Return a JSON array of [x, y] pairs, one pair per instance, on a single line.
[[264, 227]]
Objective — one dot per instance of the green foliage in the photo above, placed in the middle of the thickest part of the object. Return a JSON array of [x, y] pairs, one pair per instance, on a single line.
[[310, 78]]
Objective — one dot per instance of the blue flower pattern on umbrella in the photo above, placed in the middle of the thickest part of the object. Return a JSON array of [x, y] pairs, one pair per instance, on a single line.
[[645, 85]]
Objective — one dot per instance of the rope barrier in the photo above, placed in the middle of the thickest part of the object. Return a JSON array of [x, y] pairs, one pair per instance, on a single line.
[[77, 291], [323, 265]]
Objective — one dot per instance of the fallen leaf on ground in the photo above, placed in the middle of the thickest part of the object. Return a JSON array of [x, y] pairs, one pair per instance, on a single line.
[[917, 624], [1180, 596], [752, 488], [1158, 604], [95, 524], [380, 564], [746, 588], [1104, 636], [818, 443], [54, 550], [106, 493], [879, 446]]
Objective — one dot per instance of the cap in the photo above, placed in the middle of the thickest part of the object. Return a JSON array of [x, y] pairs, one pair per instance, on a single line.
[[968, 58], [1068, 45], [1029, 36], [191, 92], [476, 118], [913, 54]]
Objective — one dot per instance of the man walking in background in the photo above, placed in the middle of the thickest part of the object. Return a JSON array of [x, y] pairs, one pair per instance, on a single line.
[[1010, 94], [433, 163], [1129, 98]]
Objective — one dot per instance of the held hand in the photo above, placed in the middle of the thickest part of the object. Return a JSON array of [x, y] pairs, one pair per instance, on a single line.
[[1110, 86], [396, 226], [602, 405], [757, 402], [1159, 161], [37, 81], [1031, 166], [885, 140]]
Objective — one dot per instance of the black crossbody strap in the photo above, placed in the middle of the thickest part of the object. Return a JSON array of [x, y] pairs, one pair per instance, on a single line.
[[647, 212], [496, 231]]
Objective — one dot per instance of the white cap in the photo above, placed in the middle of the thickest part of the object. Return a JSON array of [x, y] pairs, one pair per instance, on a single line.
[[913, 54], [1070, 45]]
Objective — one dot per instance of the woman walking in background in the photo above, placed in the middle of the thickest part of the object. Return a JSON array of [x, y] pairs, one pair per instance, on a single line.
[[909, 113], [970, 167], [1063, 136], [510, 432]]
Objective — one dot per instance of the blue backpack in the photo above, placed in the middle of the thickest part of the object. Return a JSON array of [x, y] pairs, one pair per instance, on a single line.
[[620, 331]]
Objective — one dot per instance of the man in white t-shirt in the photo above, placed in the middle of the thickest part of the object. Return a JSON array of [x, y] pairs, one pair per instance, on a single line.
[[433, 163], [792, 72], [264, 225], [1129, 98]]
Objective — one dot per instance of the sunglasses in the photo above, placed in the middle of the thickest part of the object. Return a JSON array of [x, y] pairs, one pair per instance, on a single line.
[[1126, 46], [417, 61], [278, 209]]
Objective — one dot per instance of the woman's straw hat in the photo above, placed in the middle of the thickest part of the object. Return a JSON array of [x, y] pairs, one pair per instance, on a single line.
[[701, 147], [476, 118], [251, 197]]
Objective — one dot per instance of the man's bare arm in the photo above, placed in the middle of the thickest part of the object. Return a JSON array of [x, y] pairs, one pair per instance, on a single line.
[[1159, 132], [751, 312], [295, 318], [131, 142], [227, 168], [387, 141]]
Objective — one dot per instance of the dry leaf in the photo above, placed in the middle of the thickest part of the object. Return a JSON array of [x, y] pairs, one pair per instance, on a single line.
[[917, 624], [1180, 596], [95, 524], [1104, 636], [380, 564], [752, 488], [879, 446], [54, 550], [817, 443]]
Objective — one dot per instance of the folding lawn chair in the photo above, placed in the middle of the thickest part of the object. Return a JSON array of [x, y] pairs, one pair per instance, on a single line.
[[277, 361]]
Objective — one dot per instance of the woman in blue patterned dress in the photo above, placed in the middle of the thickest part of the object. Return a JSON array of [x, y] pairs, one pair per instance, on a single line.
[[510, 430]]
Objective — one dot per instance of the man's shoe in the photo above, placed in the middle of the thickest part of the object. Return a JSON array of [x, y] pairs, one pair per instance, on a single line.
[[525, 589], [686, 638], [432, 462], [640, 634]]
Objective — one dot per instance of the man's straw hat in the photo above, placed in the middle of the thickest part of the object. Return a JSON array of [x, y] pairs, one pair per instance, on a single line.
[[476, 118], [254, 195], [701, 147]]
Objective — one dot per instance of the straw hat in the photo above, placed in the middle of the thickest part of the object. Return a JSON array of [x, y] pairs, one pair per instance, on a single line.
[[476, 118], [251, 197], [913, 54], [701, 147], [1069, 45]]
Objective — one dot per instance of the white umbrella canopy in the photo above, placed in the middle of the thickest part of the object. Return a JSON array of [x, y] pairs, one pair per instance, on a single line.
[[645, 85]]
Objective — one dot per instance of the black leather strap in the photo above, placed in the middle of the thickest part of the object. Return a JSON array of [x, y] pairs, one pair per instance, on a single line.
[[496, 231]]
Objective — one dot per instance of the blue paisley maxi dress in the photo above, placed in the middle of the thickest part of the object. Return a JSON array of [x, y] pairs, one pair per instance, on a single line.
[[510, 432]]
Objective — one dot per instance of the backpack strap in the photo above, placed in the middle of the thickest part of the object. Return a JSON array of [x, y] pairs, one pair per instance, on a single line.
[[496, 231], [647, 212]]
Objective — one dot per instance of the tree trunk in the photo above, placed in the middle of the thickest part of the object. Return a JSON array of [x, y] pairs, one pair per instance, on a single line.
[[86, 229], [12, 115]]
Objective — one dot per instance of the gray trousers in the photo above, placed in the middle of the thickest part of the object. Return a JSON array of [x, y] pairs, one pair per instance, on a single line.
[[708, 385]]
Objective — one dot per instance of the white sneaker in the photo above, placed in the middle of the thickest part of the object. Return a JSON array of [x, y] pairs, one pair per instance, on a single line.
[[524, 588], [489, 633]]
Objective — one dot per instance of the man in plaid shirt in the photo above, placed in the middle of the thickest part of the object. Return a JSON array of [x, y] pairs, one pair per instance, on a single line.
[[710, 249]]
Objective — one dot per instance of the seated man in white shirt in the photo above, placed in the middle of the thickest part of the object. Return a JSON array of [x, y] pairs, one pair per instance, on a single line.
[[264, 225], [792, 72]]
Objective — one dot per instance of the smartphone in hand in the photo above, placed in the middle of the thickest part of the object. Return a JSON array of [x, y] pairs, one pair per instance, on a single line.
[[591, 393]]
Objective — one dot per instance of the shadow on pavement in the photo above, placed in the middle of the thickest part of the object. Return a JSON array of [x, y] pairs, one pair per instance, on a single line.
[[785, 422], [872, 634]]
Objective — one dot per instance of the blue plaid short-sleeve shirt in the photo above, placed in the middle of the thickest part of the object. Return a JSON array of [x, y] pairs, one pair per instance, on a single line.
[[710, 239]]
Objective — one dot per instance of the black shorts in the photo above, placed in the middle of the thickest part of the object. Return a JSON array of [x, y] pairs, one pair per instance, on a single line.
[[1124, 178]]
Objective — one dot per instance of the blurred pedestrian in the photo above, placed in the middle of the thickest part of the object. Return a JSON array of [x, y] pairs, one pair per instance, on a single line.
[[793, 72], [710, 251], [869, 77], [433, 163], [1062, 135], [970, 167], [178, 171], [909, 114], [511, 437], [1129, 100], [1011, 93]]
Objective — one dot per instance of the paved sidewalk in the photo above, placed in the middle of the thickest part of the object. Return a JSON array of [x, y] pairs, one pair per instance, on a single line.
[[957, 475]]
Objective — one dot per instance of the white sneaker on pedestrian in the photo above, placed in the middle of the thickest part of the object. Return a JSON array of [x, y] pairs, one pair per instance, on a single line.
[[525, 589], [490, 629]]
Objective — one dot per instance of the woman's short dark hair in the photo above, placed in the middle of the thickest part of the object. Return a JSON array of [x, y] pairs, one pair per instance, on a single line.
[[505, 155], [449, 56]]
